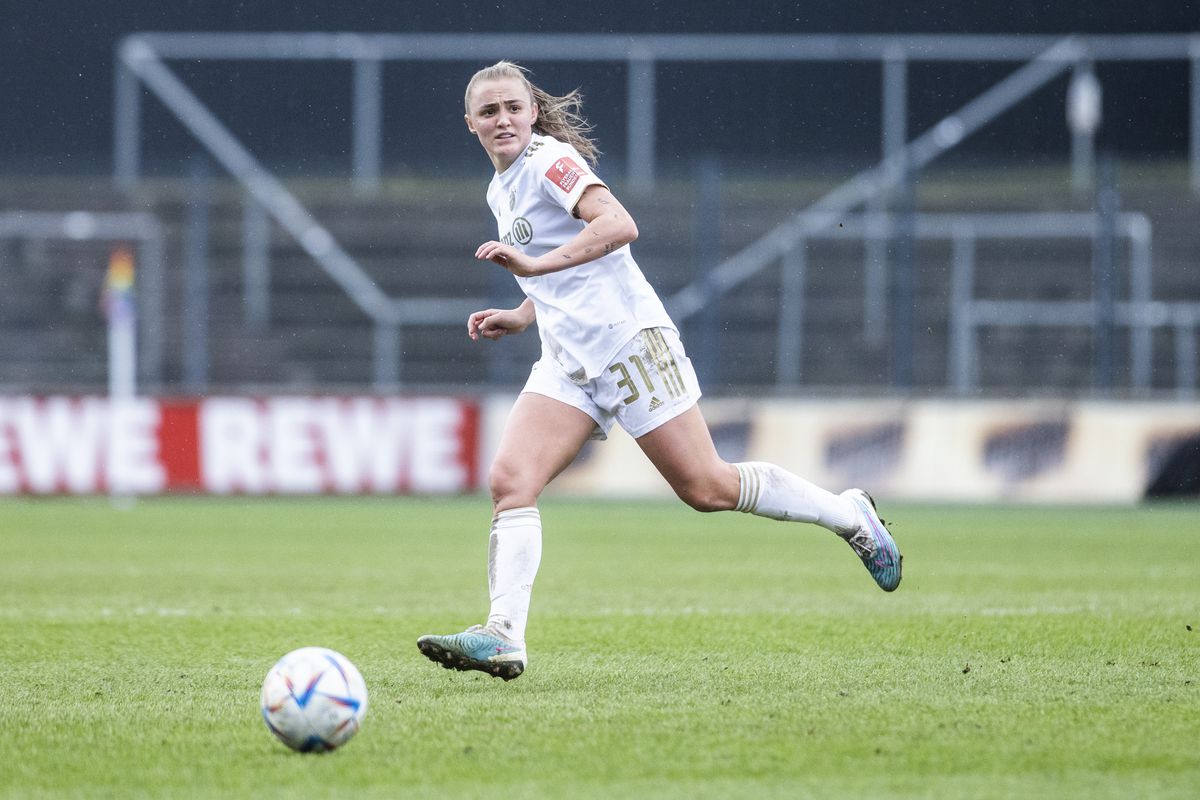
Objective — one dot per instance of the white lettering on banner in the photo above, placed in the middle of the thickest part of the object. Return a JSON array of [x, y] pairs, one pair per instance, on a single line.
[[60, 440], [231, 446], [366, 442], [307, 445], [292, 446], [133, 463], [80, 445], [10, 478], [436, 442]]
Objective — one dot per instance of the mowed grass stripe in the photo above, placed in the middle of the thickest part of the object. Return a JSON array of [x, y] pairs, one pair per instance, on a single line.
[[1030, 651]]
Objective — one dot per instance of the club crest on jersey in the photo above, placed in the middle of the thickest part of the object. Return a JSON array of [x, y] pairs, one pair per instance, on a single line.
[[565, 173]]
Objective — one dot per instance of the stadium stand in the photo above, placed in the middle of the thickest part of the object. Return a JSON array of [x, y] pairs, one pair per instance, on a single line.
[[417, 242]]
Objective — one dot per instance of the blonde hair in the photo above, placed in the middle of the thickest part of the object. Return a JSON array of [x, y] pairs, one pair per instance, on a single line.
[[560, 117]]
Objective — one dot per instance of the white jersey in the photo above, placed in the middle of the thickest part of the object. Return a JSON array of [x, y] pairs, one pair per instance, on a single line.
[[585, 314]]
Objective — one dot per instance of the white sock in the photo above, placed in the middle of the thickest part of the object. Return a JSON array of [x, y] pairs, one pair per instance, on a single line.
[[514, 552], [771, 491]]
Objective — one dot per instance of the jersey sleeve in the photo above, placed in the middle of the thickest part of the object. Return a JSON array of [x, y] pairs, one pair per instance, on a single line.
[[564, 175]]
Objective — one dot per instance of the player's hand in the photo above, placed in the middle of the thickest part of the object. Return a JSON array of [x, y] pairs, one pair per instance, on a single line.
[[495, 323], [509, 257]]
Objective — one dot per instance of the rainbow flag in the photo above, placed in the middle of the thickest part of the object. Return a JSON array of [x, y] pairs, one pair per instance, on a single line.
[[118, 301]]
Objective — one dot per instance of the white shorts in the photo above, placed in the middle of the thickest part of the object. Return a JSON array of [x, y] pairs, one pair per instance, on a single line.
[[650, 381]]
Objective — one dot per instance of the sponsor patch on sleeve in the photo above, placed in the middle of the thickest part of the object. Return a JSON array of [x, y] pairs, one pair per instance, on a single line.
[[565, 173]]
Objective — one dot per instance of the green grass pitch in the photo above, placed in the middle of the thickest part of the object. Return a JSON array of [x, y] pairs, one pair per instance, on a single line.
[[1044, 652]]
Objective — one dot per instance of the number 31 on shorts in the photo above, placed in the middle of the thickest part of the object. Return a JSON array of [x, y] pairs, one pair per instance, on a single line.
[[626, 381], [664, 364]]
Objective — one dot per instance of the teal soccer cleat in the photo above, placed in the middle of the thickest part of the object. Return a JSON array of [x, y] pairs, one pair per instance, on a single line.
[[477, 648], [872, 543]]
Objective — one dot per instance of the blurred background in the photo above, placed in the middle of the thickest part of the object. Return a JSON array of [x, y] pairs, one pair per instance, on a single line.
[[840, 204]]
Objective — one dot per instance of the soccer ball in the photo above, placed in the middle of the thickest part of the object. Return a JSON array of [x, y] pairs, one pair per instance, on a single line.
[[314, 699]]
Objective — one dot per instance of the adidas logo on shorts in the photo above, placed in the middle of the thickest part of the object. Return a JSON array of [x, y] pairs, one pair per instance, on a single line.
[[655, 404]]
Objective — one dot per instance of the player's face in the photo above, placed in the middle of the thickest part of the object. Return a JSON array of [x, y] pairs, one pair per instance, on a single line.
[[501, 113]]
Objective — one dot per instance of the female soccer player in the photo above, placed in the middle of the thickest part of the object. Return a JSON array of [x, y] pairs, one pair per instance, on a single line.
[[610, 354]]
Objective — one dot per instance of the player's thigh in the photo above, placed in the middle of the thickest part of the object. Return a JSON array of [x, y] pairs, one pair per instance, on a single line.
[[683, 452], [540, 440]]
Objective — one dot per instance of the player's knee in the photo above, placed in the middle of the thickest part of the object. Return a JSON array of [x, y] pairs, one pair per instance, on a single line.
[[510, 486], [706, 496]]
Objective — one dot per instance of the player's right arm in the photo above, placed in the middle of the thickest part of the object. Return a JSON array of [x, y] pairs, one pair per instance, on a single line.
[[609, 227], [495, 323]]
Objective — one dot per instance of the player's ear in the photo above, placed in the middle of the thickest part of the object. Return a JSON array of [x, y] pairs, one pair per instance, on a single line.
[[534, 107], [467, 119]]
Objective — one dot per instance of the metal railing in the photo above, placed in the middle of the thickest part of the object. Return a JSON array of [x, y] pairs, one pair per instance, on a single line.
[[785, 245], [826, 212], [141, 58], [139, 62], [969, 314], [641, 53]]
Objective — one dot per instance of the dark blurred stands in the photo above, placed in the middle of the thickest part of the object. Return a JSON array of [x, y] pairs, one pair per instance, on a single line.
[[417, 239]]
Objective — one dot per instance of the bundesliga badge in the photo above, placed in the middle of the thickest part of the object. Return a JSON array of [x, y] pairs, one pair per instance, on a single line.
[[565, 173]]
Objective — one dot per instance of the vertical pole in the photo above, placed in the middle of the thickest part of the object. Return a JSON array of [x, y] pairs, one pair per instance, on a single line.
[[640, 122], [1104, 279], [793, 272], [707, 239], [122, 358], [256, 265], [875, 275], [152, 303], [901, 355], [121, 308], [895, 102], [1083, 118], [368, 123], [388, 354], [195, 276], [876, 236], [893, 140], [1194, 131], [127, 103], [1185, 356], [963, 374], [1141, 342]]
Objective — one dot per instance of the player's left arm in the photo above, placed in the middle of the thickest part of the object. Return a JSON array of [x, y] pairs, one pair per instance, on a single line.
[[609, 227]]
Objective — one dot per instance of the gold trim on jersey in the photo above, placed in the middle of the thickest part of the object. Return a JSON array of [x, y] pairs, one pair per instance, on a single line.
[[664, 362]]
